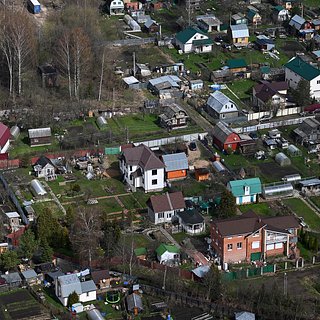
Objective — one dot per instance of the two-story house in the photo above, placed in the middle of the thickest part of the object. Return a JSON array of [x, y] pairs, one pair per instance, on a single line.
[[253, 238], [220, 106], [280, 14], [297, 70], [193, 40], [44, 168], [239, 35], [162, 208], [141, 168], [302, 28], [245, 191], [174, 117]]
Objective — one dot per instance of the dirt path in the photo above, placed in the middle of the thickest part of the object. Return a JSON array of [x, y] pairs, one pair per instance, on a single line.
[[101, 197]]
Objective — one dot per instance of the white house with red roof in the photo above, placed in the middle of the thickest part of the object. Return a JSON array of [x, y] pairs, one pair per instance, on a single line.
[[4, 138]]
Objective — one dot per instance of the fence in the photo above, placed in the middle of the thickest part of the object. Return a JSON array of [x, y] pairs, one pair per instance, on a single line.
[[9, 164], [280, 113], [249, 272], [128, 42], [109, 151]]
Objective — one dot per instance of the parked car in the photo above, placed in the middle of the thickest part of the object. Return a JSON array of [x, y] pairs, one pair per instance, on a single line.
[[193, 146], [302, 223], [265, 118]]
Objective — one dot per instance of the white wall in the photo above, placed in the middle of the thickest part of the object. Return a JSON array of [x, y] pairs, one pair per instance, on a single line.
[[5, 147], [90, 296], [166, 256], [148, 177], [315, 88]]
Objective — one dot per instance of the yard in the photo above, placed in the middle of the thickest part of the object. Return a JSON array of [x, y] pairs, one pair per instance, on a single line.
[[262, 209], [47, 205], [304, 211]]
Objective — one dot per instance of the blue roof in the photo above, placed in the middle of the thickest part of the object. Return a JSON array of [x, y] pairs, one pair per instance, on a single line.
[[175, 161]]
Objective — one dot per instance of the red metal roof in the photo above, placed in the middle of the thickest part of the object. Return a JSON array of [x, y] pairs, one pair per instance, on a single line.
[[4, 134], [312, 107]]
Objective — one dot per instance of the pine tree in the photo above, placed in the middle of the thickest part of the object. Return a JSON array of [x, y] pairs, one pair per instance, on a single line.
[[227, 206], [46, 252], [72, 299], [27, 244]]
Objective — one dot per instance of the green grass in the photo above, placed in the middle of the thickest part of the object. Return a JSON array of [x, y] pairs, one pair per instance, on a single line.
[[130, 202], [179, 237], [304, 252], [109, 205], [242, 88], [311, 3], [302, 210], [43, 206], [316, 201], [190, 187], [261, 209], [139, 240]]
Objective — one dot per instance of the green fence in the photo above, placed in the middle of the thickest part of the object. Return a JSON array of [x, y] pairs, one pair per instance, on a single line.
[[114, 150], [247, 273], [268, 268]]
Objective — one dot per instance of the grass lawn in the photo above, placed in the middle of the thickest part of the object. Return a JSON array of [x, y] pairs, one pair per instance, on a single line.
[[302, 210], [109, 205], [139, 240], [262, 209], [316, 201], [190, 187], [179, 237], [311, 3], [130, 202], [242, 88], [51, 205]]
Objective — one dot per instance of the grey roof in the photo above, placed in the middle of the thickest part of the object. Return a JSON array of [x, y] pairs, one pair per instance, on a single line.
[[149, 23], [88, 286], [29, 274], [221, 131], [209, 19], [220, 103], [12, 277], [239, 31], [310, 182], [12, 214], [297, 22], [171, 79], [55, 274], [244, 315], [201, 271], [134, 301], [39, 133], [191, 216], [171, 112], [175, 161], [69, 283], [94, 314], [130, 80]]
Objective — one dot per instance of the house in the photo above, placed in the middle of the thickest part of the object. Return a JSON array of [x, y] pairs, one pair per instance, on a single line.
[[273, 93], [134, 303], [168, 254], [116, 7], [219, 106], [301, 27], [238, 18], [237, 65], [176, 165], [244, 315], [280, 14], [174, 68], [209, 23], [196, 85], [132, 82], [221, 76], [31, 278], [142, 70], [44, 168], [12, 221], [13, 279], [224, 138], [193, 40], [308, 132], [296, 70], [174, 117], [162, 208], [52, 276], [164, 84], [132, 5], [316, 24], [101, 279], [141, 168], [141, 253], [245, 191], [201, 174], [69, 283], [264, 43], [316, 54], [4, 138], [287, 4], [151, 26], [254, 17], [49, 75], [252, 238], [191, 221], [39, 137], [239, 35]]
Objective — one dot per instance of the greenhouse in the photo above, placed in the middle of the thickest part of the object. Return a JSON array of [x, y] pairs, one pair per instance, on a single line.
[[280, 190], [94, 314], [15, 132], [218, 166], [282, 159], [101, 122], [38, 188], [293, 151]]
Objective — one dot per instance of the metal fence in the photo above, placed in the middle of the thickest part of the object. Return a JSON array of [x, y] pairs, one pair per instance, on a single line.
[[128, 42]]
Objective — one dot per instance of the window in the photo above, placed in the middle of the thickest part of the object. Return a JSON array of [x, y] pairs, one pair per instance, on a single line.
[[318, 81], [154, 182], [154, 172], [160, 215], [88, 294], [130, 168], [229, 246], [279, 245], [270, 246], [255, 245], [169, 215], [239, 245]]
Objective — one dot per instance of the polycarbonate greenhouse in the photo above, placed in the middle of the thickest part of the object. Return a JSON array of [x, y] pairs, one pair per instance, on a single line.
[[279, 190], [38, 188], [282, 159]]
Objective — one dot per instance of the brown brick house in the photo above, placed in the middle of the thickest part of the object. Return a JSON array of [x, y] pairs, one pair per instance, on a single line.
[[251, 237]]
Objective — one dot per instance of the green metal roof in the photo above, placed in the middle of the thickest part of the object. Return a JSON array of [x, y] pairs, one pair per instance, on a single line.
[[140, 251], [265, 69], [166, 247], [278, 8], [188, 33], [202, 42], [238, 186], [236, 63], [303, 69], [251, 14]]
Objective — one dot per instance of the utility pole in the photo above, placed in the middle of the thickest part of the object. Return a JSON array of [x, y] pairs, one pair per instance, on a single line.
[[101, 76], [189, 12], [285, 284], [164, 278], [134, 64], [113, 100]]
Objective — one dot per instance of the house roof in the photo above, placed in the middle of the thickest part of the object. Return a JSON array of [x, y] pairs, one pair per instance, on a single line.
[[29, 274], [244, 315], [166, 247], [143, 157], [236, 63], [310, 182], [88, 286], [220, 103], [209, 19], [99, 275], [68, 284], [43, 161], [171, 111], [172, 80], [221, 131], [140, 251], [278, 8], [303, 69], [39, 133], [238, 186], [201, 271], [149, 23], [12, 277], [250, 222], [316, 53], [266, 90], [167, 202], [316, 22], [55, 274], [175, 161], [130, 80], [13, 214], [191, 216], [238, 16], [185, 35], [296, 22], [251, 14], [4, 134], [239, 31], [202, 42]]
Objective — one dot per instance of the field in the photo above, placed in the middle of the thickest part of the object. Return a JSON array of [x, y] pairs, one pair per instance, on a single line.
[[18, 305], [302, 210]]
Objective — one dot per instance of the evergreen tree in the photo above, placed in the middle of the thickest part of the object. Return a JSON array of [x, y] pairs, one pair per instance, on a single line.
[[301, 95], [72, 299], [27, 244], [46, 252], [227, 206]]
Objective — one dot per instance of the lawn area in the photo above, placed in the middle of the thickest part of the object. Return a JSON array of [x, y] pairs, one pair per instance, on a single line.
[[109, 205], [190, 187], [130, 202], [48, 205], [139, 240], [242, 88], [311, 3], [316, 201], [302, 210], [179, 237], [262, 209]]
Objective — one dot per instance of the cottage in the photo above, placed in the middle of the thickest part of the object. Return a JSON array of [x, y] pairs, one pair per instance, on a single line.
[[132, 5], [237, 65], [245, 191], [101, 279], [196, 85], [162, 208], [191, 221], [221, 76], [4, 138], [264, 43], [280, 14], [201, 174], [116, 7], [308, 132], [151, 26], [168, 254], [141, 168], [224, 138], [251, 237], [209, 23], [310, 187], [193, 40], [31, 278], [176, 165], [13, 279], [132, 82], [67, 284], [220, 106], [239, 35], [49, 75], [39, 137], [296, 70], [53, 275], [254, 17], [12, 221], [301, 27], [238, 18], [141, 253], [164, 84], [142, 70], [44, 168], [174, 117]]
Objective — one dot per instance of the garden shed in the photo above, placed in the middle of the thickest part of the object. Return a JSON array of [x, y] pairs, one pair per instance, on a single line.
[[282, 159], [293, 151]]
